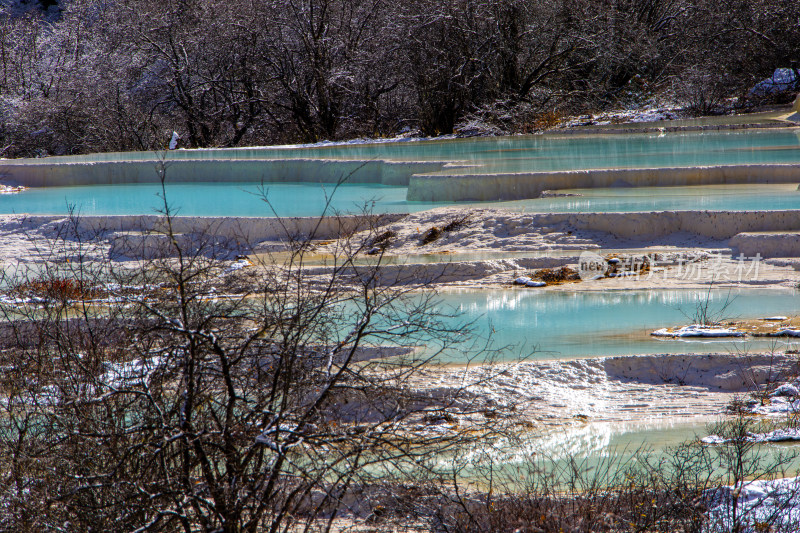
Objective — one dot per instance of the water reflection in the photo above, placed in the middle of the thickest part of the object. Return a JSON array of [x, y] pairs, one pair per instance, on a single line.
[[309, 199], [588, 324], [596, 449]]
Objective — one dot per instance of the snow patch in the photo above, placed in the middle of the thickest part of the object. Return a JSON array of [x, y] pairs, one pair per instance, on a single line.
[[778, 435], [129, 374], [783, 79], [779, 404], [533, 283], [10, 189], [787, 389], [697, 330], [528, 282], [237, 265], [762, 505]]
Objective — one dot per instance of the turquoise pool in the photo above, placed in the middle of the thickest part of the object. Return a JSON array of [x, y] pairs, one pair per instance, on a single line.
[[693, 198], [634, 151], [295, 180], [601, 448], [552, 325], [308, 199], [531, 153], [213, 199]]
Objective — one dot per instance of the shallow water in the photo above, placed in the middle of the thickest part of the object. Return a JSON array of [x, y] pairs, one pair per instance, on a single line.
[[419, 259], [309, 199], [605, 438], [536, 152], [693, 198], [553, 325], [487, 155], [601, 448], [532, 154], [213, 199]]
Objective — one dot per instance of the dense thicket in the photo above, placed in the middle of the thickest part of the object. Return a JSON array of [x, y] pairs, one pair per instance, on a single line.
[[123, 74]]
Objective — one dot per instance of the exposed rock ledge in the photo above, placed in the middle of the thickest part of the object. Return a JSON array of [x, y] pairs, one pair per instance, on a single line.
[[615, 388]]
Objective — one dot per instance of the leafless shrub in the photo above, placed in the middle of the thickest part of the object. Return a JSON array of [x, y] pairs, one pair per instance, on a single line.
[[556, 276], [168, 405], [702, 92], [691, 487], [708, 313], [116, 77], [430, 235], [457, 223]]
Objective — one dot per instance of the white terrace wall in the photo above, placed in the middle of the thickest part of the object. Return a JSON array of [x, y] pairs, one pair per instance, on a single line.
[[44, 173], [514, 186]]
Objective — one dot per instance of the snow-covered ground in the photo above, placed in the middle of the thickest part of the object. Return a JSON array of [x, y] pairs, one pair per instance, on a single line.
[[407, 136], [761, 506], [610, 389], [646, 113], [778, 405], [698, 330], [784, 400], [776, 435]]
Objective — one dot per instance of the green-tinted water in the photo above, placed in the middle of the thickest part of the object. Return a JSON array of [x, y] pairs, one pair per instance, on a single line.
[[551, 325], [485, 155], [603, 449], [532, 153], [307, 199], [213, 199], [693, 198]]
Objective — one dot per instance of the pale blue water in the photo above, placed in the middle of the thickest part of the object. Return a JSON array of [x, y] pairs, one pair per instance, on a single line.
[[538, 152], [601, 448], [636, 151], [213, 199], [552, 325], [715, 197], [308, 199], [500, 154]]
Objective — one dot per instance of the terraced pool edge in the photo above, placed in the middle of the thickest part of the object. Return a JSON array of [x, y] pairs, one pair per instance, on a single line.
[[521, 185]]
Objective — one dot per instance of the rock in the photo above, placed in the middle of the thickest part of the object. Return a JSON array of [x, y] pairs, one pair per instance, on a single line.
[[787, 389], [783, 79], [713, 439], [558, 194], [697, 330]]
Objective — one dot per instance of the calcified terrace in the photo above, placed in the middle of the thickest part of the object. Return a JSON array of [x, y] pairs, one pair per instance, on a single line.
[[770, 233], [491, 169], [473, 170]]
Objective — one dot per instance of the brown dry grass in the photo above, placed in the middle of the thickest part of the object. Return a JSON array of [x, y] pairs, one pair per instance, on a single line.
[[556, 276], [59, 289]]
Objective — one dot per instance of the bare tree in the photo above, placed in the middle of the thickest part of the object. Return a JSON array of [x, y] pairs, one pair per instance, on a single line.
[[327, 58], [121, 76], [168, 393]]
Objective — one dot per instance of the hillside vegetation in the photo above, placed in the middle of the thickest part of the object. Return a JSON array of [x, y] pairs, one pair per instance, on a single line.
[[92, 75]]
